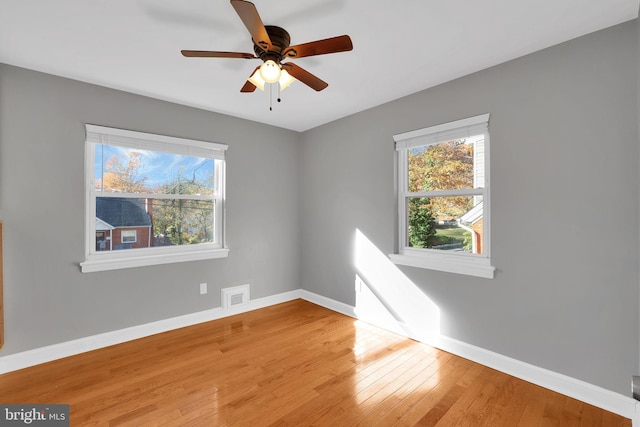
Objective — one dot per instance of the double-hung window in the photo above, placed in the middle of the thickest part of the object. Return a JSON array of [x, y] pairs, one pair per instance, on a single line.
[[443, 197], [151, 199]]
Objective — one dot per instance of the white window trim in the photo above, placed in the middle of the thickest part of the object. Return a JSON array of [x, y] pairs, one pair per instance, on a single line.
[[111, 260], [461, 263]]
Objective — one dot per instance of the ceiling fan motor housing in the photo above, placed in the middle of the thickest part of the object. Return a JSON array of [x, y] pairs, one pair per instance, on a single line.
[[280, 40]]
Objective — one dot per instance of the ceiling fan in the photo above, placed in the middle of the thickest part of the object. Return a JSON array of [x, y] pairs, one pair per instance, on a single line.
[[271, 45]]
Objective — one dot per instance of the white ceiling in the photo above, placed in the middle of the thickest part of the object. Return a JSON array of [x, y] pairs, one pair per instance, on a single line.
[[400, 47]]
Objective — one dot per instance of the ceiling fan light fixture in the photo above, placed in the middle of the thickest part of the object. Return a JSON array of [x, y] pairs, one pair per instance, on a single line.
[[285, 79], [257, 80], [270, 71]]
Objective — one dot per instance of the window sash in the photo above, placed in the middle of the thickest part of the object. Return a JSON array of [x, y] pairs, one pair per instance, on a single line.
[[404, 197], [406, 244], [157, 196], [146, 141], [441, 133], [446, 193]]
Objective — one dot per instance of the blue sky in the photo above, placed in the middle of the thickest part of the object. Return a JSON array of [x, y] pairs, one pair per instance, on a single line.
[[157, 167]]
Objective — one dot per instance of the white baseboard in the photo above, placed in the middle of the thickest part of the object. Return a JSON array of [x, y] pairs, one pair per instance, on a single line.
[[577, 389], [329, 303], [568, 386]]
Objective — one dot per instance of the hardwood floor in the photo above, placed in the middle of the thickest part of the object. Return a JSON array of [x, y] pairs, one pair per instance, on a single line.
[[293, 364]]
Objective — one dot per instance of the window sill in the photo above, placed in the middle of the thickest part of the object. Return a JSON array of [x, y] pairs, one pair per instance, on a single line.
[[471, 265], [144, 257]]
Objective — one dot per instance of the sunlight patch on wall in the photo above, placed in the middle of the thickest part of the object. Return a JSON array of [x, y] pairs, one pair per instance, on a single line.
[[387, 298]]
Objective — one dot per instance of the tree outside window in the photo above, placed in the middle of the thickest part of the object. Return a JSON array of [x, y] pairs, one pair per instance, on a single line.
[[437, 222]]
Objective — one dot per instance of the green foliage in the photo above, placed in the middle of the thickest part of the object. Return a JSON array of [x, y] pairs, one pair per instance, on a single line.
[[453, 234], [422, 225], [444, 166], [183, 221], [123, 174], [467, 243]]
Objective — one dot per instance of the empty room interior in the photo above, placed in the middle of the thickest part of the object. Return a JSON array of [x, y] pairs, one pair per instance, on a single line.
[[435, 221]]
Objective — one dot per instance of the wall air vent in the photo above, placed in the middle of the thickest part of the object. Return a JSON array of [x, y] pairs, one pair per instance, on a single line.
[[235, 296]]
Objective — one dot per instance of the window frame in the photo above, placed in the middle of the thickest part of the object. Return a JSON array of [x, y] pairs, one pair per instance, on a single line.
[[132, 232], [117, 259], [454, 262]]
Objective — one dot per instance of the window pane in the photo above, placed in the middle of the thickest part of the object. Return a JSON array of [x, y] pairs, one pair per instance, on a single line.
[[130, 223], [182, 222], [446, 223], [129, 236], [448, 165], [120, 169]]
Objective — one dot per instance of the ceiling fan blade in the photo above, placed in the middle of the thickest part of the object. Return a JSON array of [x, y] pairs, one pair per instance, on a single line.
[[319, 47], [251, 19], [214, 54], [248, 86], [305, 77]]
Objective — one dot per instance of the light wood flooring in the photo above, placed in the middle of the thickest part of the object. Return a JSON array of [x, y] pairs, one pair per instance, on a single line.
[[292, 364]]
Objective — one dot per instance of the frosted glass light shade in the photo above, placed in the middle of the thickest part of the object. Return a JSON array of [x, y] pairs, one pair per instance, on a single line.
[[285, 79], [257, 80], [270, 71]]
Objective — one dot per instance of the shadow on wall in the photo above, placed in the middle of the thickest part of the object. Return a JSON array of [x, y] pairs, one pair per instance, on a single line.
[[387, 298]]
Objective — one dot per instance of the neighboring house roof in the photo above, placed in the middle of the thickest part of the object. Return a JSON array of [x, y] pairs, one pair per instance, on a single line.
[[102, 226], [473, 216], [121, 212]]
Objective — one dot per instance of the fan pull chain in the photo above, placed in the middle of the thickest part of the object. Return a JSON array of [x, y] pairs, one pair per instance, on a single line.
[[271, 95]]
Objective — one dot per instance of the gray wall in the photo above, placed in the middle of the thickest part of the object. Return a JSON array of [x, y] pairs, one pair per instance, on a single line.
[[47, 299], [564, 147]]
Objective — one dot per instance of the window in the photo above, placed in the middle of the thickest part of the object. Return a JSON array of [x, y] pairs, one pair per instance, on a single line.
[[443, 197], [128, 236], [151, 199]]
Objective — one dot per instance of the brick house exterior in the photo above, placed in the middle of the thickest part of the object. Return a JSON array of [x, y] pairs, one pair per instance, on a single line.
[[473, 221], [122, 223]]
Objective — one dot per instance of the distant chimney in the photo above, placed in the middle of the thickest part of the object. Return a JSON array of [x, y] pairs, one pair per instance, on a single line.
[[148, 206]]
